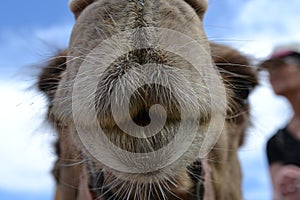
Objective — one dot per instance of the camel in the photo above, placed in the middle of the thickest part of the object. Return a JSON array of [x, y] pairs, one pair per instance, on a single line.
[[144, 106]]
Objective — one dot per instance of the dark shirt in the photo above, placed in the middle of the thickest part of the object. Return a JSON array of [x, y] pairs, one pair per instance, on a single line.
[[284, 148]]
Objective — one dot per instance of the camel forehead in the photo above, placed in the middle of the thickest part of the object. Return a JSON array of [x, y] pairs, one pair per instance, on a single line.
[[77, 6], [105, 19]]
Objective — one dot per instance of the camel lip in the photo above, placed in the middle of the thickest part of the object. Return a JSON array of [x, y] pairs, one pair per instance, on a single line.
[[99, 180], [141, 118], [167, 125]]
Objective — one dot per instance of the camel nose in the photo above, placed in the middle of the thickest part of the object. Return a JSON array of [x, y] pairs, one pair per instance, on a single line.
[[151, 104], [153, 100], [142, 118]]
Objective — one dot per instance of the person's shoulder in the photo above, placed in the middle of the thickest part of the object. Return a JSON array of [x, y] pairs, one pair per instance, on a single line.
[[275, 147], [277, 137]]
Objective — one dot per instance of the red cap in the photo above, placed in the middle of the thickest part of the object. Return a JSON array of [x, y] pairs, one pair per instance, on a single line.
[[285, 50], [279, 53]]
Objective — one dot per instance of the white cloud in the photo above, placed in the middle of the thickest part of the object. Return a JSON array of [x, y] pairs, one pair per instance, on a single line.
[[267, 15], [266, 24], [26, 149], [256, 26]]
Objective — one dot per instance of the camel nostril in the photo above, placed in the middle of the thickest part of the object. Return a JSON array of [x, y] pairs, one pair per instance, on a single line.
[[142, 118]]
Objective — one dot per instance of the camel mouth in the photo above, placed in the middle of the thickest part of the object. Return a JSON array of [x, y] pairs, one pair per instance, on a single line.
[[104, 184], [149, 139], [148, 150]]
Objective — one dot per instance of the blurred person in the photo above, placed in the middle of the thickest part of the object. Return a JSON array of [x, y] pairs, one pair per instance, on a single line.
[[283, 148]]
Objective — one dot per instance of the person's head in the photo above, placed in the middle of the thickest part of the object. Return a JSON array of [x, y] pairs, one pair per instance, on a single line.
[[284, 69]]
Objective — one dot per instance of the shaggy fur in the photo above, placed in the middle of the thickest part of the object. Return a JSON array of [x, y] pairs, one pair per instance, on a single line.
[[77, 173]]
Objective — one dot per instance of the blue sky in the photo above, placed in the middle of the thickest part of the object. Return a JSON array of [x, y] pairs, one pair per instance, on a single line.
[[31, 31]]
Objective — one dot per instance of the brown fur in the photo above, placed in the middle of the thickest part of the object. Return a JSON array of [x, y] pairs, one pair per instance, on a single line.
[[222, 170], [223, 159]]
